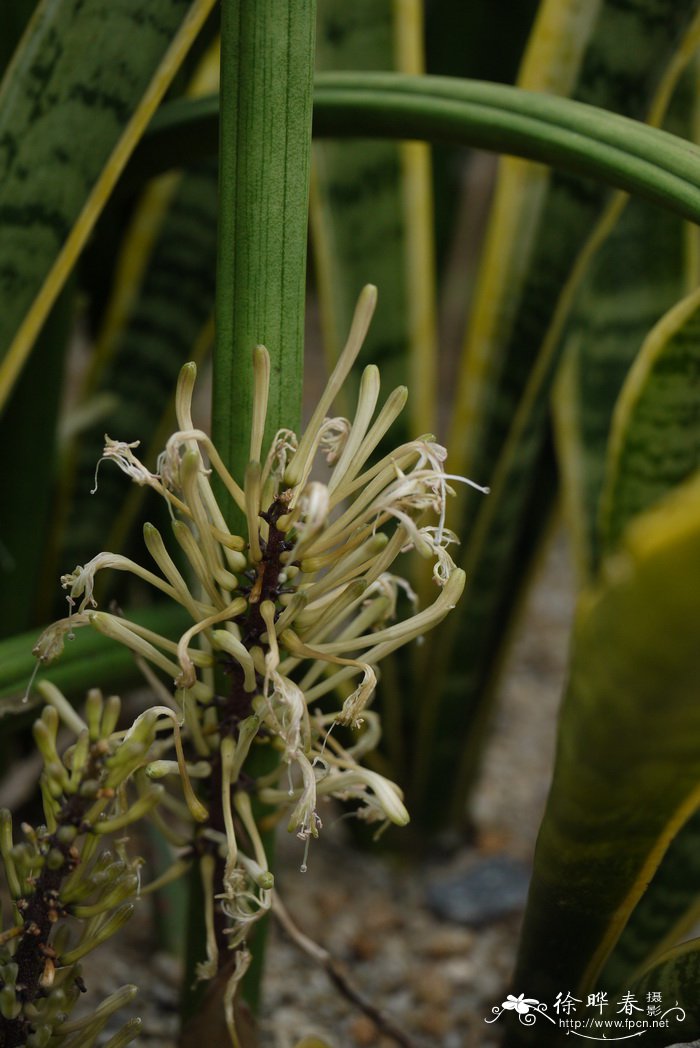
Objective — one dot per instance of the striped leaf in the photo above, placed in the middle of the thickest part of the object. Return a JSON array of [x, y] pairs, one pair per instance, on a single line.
[[512, 418], [636, 276], [655, 444], [665, 913], [627, 765], [77, 68], [655, 438], [170, 311], [675, 978], [371, 214]]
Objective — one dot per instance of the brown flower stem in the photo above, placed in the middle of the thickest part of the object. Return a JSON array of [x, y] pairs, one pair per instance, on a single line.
[[42, 908], [339, 976]]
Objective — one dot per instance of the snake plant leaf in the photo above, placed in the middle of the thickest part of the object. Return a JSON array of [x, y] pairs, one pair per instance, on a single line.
[[512, 422], [655, 438], [627, 765], [569, 135], [77, 71], [28, 428], [167, 323], [635, 277], [371, 210], [675, 977], [89, 661], [14, 20], [666, 912]]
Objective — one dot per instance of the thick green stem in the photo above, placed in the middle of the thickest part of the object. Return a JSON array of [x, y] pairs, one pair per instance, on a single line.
[[267, 58], [264, 159]]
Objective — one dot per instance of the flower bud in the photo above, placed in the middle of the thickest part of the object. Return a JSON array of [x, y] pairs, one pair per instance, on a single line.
[[93, 713], [138, 809], [40, 1037], [110, 716], [8, 973], [55, 859], [10, 1007], [45, 739], [66, 834], [104, 932], [6, 849]]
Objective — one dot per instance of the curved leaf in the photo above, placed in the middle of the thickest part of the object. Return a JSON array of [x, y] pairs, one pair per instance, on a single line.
[[627, 766], [566, 134]]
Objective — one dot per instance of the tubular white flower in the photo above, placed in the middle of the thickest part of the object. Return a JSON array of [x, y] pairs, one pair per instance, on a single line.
[[291, 611], [366, 403], [362, 317]]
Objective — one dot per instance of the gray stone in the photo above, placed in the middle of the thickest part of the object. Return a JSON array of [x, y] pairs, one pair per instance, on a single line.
[[492, 888]]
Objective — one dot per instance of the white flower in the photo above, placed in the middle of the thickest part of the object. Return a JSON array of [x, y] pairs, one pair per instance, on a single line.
[[291, 611]]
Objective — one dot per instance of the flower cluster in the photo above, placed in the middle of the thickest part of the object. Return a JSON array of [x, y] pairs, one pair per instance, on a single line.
[[68, 893], [285, 618]]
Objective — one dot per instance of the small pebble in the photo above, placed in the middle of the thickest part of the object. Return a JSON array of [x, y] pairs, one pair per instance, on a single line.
[[490, 889], [448, 942], [430, 987], [363, 1031]]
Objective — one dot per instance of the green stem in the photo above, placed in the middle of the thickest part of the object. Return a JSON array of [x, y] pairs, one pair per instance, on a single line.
[[267, 58], [267, 52]]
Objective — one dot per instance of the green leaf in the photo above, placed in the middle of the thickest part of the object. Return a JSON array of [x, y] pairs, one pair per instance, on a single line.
[[165, 322], [509, 400], [627, 764], [664, 914], [28, 428], [675, 976], [77, 67], [569, 135], [636, 276], [371, 215], [89, 661], [655, 438]]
